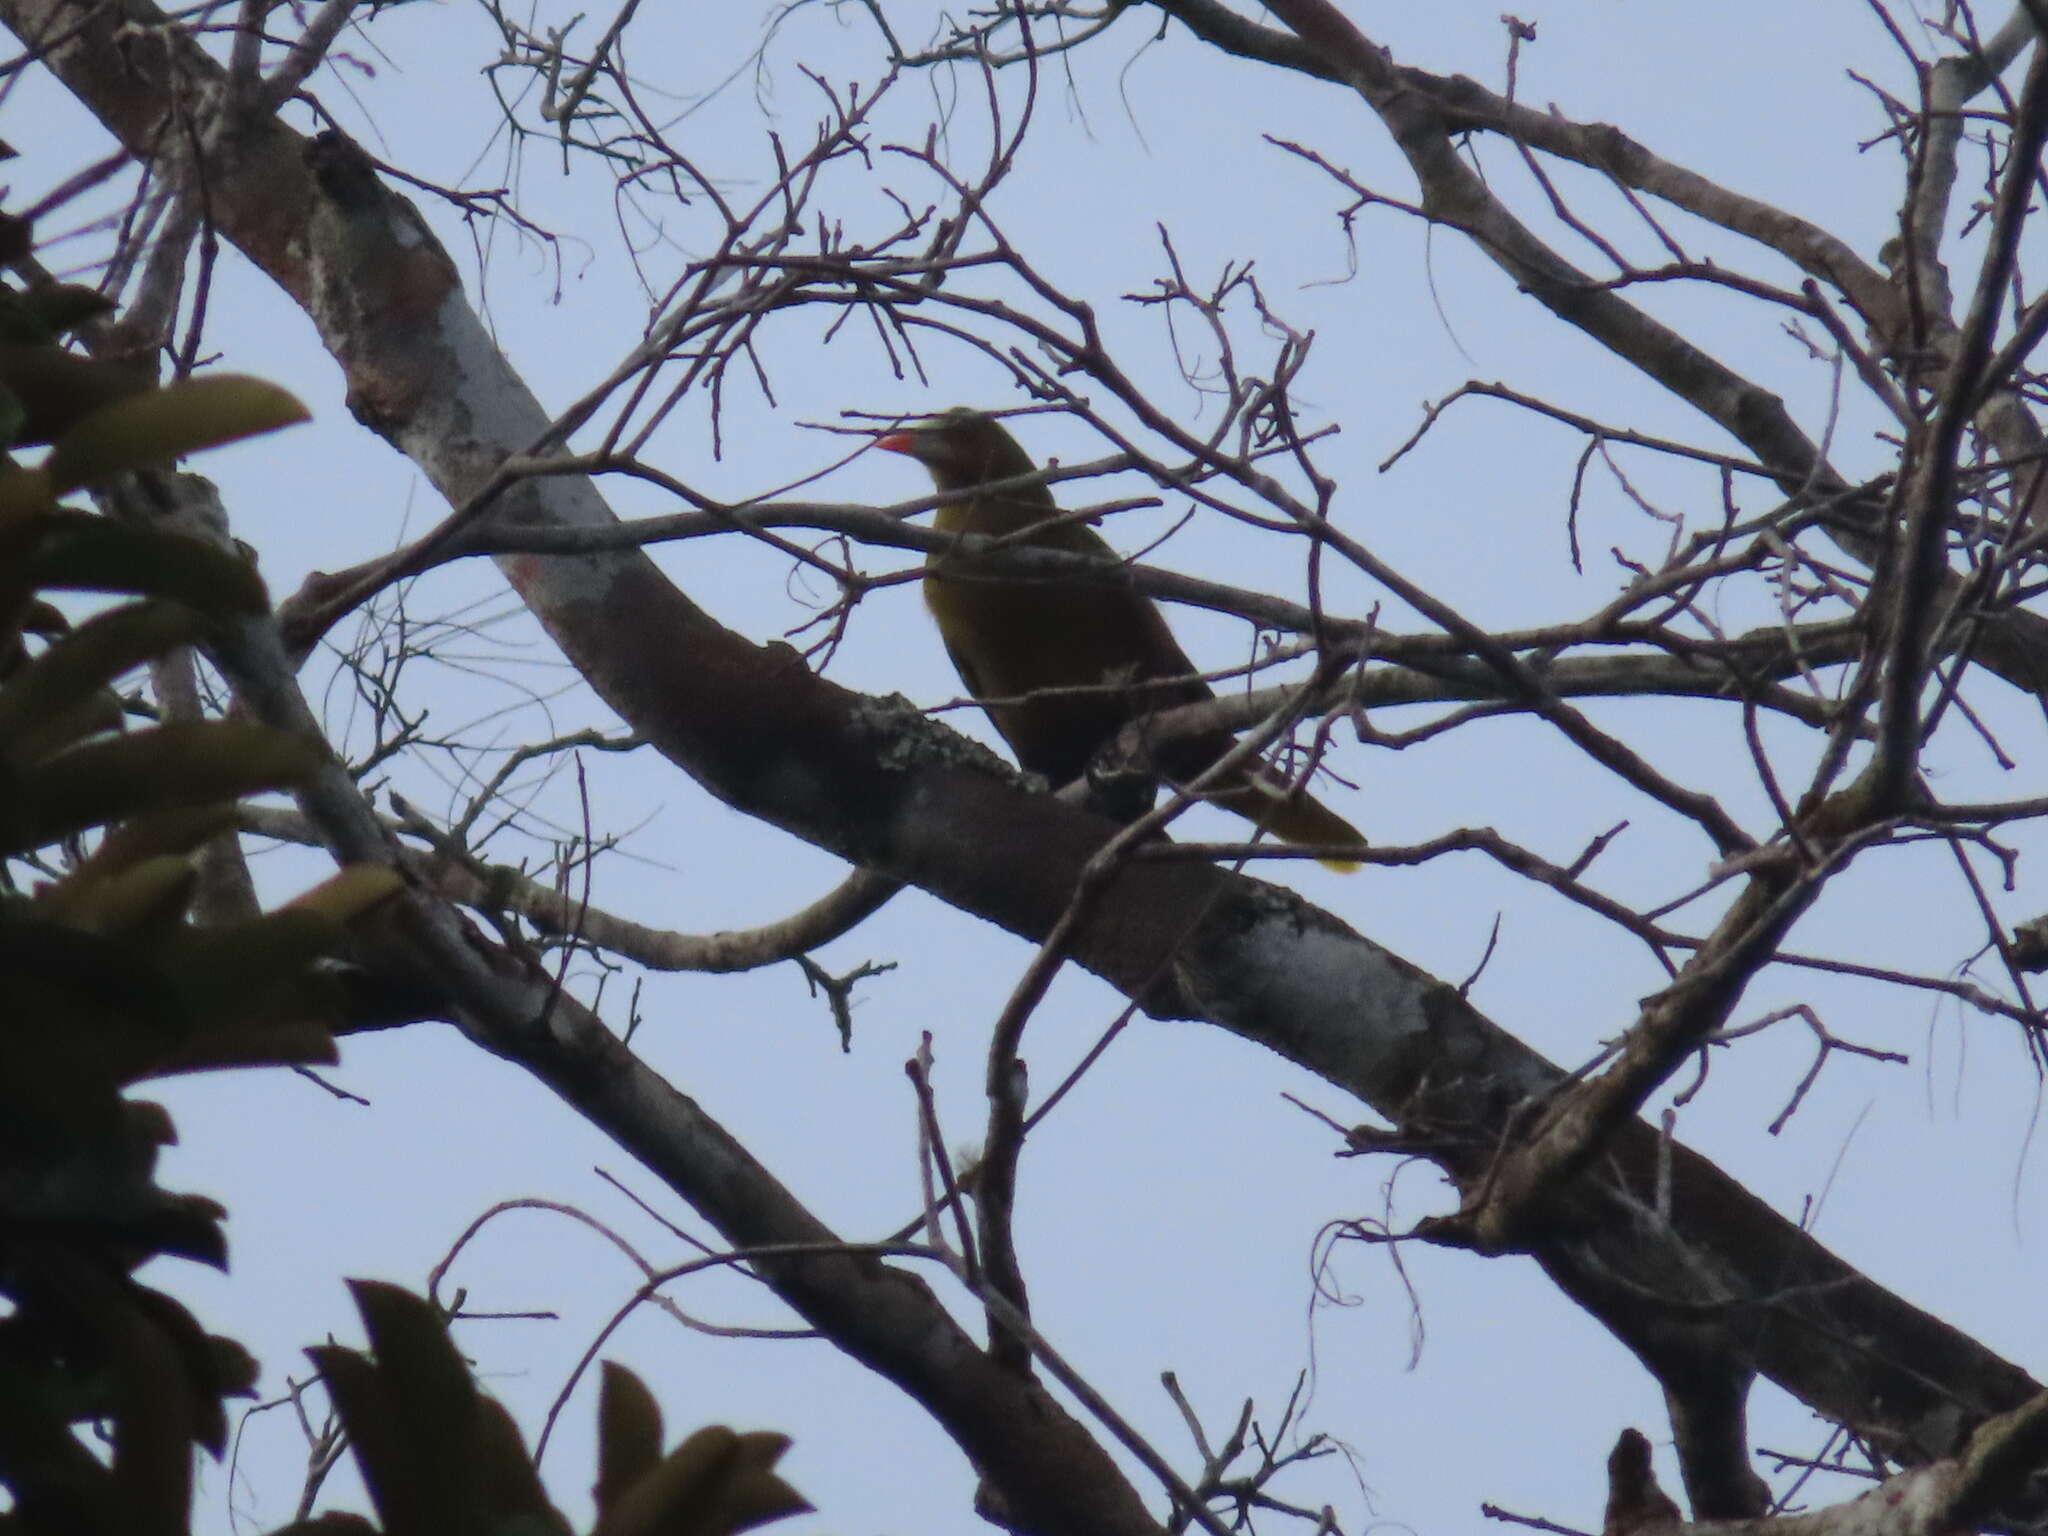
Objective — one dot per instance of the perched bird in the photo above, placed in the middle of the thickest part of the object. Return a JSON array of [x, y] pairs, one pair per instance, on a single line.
[[1015, 638]]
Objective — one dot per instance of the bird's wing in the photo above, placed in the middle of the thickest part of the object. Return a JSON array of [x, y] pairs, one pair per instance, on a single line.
[[963, 663]]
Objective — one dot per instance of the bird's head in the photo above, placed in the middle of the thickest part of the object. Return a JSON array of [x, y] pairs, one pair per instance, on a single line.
[[962, 447]]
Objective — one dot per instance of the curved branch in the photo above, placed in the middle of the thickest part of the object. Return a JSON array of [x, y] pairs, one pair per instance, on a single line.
[[501, 888], [1722, 1276]]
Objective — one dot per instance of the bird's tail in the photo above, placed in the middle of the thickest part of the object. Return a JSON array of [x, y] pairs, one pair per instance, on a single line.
[[1293, 818]]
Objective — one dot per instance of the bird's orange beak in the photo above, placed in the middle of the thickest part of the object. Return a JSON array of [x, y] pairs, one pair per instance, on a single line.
[[898, 442]]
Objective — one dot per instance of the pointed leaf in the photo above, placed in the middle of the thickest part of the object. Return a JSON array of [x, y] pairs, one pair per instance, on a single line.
[[433, 1402], [385, 1460], [753, 1495], [234, 1368], [169, 766], [13, 416], [628, 1433], [147, 837], [97, 714], [262, 1042], [78, 551], [237, 975], [84, 662], [666, 1500], [154, 1404], [143, 902], [348, 893], [84, 1015], [156, 428], [711, 1483], [50, 1470], [513, 1498], [23, 491], [58, 308], [59, 390], [199, 1363]]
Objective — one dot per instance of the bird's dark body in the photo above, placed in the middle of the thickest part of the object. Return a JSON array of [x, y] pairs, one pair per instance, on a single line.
[[1063, 663], [1061, 700]]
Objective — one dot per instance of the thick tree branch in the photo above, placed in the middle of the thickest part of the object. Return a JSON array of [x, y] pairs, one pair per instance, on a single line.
[[1713, 1274]]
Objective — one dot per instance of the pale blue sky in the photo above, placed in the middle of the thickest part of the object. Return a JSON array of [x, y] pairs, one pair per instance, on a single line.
[[1169, 1210]]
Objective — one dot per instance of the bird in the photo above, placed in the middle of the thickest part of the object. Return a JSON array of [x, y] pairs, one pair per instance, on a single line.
[[1016, 638]]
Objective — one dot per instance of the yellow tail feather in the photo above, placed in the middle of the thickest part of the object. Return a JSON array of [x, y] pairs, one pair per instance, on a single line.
[[1297, 818]]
